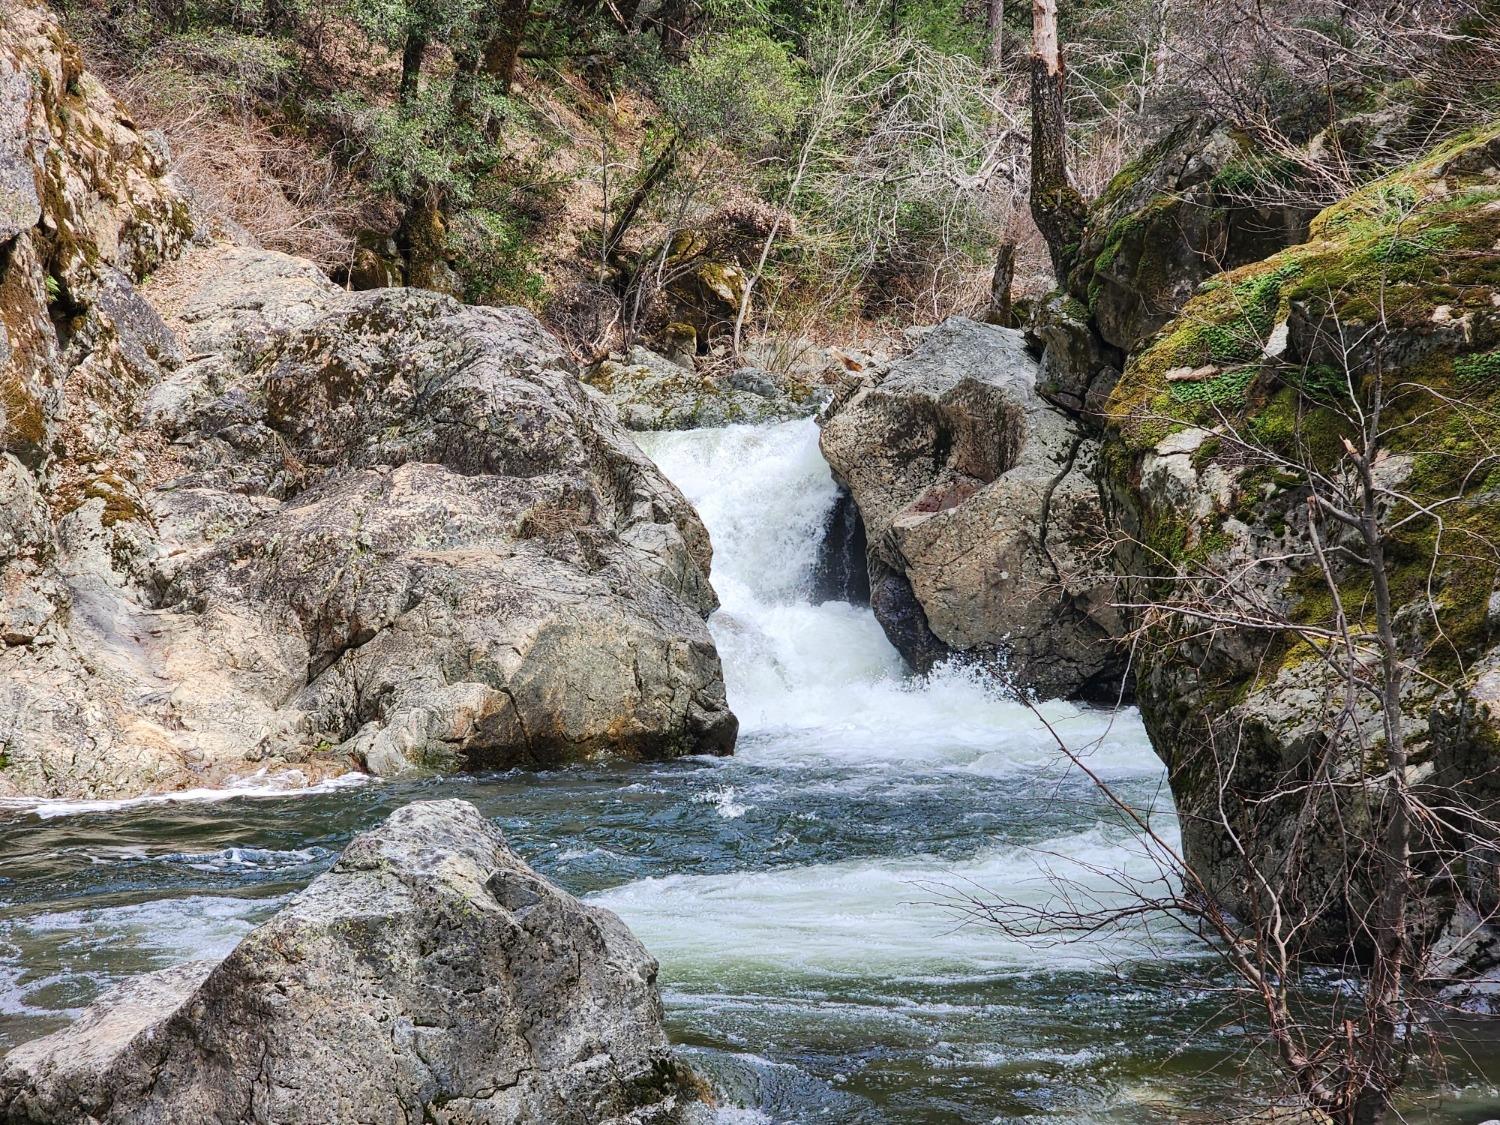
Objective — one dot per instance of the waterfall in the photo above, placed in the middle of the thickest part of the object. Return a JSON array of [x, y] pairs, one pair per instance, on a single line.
[[813, 681]]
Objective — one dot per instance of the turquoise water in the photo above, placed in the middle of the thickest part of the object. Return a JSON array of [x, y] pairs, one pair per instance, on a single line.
[[800, 895]]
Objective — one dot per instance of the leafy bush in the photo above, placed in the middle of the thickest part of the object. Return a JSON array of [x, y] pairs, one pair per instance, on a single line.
[[742, 88]]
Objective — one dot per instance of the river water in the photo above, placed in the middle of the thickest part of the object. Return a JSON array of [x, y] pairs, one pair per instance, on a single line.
[[800, 895]]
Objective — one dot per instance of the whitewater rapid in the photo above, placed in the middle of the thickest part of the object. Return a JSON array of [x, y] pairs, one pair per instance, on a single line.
[[818, 685], [799, 895]]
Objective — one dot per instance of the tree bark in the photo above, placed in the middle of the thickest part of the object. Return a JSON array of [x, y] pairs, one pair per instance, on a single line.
[[1055, 203], [411, 65], [1001, 311], [503, 50], [994, 25]]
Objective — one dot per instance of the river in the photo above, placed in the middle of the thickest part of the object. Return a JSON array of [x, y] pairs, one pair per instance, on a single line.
[[800, 895]]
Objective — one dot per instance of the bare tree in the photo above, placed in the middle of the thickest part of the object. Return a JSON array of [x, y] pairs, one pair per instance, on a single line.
[[1055, 203]]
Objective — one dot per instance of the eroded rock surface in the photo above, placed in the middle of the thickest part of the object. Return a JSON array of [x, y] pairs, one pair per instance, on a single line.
[[430, 975], [983, 522], [249, 520]]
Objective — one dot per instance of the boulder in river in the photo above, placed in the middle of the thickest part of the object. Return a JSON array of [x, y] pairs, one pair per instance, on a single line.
[[982, 519], [430, 975], [249, 520]]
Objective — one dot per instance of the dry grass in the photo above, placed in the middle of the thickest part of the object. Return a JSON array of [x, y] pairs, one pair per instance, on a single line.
[[286, 193]]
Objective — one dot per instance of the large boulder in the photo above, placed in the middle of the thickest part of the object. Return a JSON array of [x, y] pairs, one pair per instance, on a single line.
[[249, 520], [430, 975], [1192, 205], [982, 519], [1220, 432]]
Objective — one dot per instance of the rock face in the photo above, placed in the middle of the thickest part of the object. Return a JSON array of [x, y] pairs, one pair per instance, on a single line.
[[1217, 429], [430, 975], [983, 522], [250, 520], [1185, 210], [651, 392]]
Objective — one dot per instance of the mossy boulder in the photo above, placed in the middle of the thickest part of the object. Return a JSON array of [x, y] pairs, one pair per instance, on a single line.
[[1186, 209], [1218, 428], [705, 291]]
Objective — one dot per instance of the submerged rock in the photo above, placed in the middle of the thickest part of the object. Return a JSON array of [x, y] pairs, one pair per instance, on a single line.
[[430, 975], [983, 523], [250, 521]]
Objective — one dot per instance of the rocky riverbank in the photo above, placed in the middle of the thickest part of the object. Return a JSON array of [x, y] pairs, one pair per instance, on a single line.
[[249, 520]]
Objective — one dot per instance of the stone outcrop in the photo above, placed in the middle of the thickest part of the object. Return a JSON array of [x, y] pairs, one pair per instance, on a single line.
[[1218, 426], [1188, 208], [430, 975], [251, 520], [983, 522], [651, 392]]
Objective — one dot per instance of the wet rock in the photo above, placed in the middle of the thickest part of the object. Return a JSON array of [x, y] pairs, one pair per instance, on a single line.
[[982, 519], [429, 975], [841, 572]]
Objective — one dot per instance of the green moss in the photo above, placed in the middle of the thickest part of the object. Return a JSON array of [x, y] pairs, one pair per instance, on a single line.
[[1207, 450], [1379, 266], [1477, 370], [1226, 390]]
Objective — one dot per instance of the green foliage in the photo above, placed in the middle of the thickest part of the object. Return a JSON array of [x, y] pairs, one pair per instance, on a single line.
[[742, 88], [245, 65], [423, 144], [1255, 173], [494, 259], [1477, 370], [1221, 392], [391, 21]]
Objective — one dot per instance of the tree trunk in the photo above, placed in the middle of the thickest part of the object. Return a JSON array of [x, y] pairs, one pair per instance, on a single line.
[[994, 26], [422, 240], [658, 171], [1055, 203], [411, 65], [1001, 311], [503, 50]]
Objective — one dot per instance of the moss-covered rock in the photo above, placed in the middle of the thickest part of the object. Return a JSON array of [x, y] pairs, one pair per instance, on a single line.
[[1218, 428], [1190, 206]]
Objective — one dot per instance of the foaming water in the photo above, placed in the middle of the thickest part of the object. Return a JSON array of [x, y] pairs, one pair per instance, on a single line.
[[814, 683], [263, 783]]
